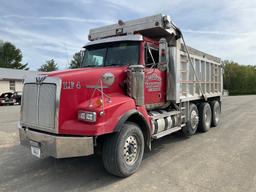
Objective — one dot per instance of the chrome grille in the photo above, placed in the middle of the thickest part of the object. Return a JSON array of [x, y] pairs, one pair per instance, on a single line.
[[46, 110], [39, 106], [29, 104]]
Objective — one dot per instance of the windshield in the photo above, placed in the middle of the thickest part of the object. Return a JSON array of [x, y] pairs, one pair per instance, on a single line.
[[111, 54]]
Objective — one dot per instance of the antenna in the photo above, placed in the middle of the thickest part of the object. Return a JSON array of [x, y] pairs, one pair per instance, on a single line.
[[67, 55]]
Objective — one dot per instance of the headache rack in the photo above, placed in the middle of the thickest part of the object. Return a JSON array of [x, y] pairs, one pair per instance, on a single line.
[[155, 26]]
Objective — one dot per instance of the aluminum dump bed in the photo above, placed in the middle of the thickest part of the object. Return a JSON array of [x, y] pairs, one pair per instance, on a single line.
[[205, 80]]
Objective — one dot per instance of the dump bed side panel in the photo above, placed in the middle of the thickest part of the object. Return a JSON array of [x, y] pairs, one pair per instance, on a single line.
[[204, 79], [190, 82]]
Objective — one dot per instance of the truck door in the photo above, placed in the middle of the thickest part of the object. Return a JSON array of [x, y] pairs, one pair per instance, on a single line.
[[155, 80]]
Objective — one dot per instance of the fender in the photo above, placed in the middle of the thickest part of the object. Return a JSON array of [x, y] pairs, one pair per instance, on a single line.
[[135, 116]]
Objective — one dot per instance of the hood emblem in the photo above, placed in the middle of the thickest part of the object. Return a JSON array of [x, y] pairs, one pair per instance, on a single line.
[[40, 79], [108, 78]]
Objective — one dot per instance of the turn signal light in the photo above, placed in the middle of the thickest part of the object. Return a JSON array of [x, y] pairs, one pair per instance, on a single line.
[[99, 102]]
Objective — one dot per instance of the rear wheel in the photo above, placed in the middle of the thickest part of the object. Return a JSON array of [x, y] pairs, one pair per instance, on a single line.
[[192, 122], [123, 151], [205, 117], [215, 105]]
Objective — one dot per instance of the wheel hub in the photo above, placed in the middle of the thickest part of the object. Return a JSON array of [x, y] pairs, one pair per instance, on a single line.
[[194, 119], [217, 113], [130, 150], [207, 116]]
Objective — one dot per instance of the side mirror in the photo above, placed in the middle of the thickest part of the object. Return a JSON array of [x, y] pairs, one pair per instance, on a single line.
[[163, 55]]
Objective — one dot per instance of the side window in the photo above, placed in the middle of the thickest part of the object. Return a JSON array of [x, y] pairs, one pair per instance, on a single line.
[[12, 85], [151, 56]]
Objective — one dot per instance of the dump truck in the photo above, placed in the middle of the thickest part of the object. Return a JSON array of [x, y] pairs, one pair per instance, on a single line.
[[138, 82]]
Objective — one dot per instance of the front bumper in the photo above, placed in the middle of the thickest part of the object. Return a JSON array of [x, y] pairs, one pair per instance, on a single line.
[[56, 146]]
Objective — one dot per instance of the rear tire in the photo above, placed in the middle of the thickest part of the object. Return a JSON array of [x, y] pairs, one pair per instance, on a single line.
[[123, 151], [215, 106], [205, 117], [192, 122]]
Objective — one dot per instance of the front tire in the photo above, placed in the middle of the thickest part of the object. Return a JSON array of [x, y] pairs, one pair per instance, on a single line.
[[205, 117], [123, 151]]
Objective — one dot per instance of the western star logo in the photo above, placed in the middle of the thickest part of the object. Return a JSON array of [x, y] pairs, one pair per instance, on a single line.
[[40, 79]]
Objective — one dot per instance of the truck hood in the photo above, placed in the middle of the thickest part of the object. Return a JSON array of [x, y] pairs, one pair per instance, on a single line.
[[81, 82], [81, 74], [78, 87]]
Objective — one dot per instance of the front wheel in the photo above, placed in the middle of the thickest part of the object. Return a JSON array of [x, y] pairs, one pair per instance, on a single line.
[[123, 151]]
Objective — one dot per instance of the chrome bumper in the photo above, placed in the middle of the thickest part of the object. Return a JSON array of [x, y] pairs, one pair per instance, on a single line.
[[56, 146]]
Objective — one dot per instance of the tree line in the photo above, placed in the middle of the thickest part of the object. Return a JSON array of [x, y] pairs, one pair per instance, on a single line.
[[237, 79], [51, 65]]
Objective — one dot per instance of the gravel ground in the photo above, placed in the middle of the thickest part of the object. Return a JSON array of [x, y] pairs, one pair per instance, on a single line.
[[221, 160]]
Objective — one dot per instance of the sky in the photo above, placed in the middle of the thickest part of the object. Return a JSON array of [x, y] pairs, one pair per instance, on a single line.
[[56, 29]]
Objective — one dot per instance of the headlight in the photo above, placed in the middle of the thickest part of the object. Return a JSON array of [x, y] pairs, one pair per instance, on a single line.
[[87, 116]]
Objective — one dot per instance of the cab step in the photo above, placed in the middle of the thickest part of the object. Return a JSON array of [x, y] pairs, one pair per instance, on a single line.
[[183, 125], [166, 132]]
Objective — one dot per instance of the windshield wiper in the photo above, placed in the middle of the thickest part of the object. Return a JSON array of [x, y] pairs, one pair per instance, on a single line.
[[113, 64], [90, 66]]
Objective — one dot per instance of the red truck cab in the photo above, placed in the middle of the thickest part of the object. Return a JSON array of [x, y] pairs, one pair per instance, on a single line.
[[135, 84]]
